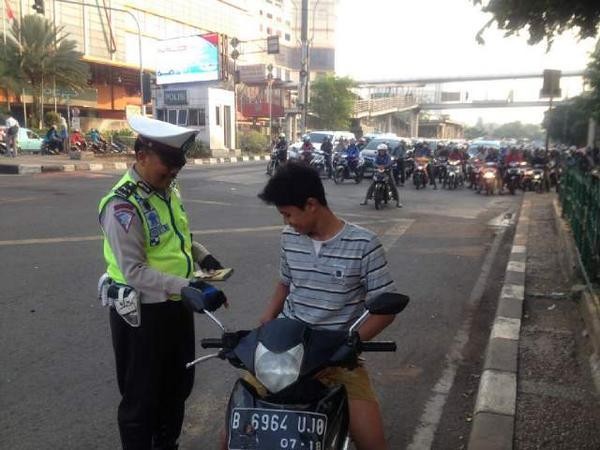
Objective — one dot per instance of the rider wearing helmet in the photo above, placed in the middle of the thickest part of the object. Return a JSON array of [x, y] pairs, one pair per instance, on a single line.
[[306, 149], [384, 159], [281, 147]]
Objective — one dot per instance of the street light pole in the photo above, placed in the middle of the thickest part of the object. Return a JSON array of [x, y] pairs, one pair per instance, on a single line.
[[270, 100], [139, 33]]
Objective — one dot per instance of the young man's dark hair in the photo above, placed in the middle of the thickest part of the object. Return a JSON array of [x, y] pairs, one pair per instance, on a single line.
[[293, 185]]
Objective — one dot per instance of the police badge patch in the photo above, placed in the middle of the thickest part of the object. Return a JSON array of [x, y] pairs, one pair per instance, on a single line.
[[124, 214]]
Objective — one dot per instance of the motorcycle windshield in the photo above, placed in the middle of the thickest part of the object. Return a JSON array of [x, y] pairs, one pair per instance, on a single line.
[[281, 335]]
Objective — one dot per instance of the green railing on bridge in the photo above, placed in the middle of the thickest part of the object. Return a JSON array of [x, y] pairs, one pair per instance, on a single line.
[[580, 199]]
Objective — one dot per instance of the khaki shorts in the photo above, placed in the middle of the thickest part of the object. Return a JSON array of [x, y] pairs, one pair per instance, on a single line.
[[357, 382]]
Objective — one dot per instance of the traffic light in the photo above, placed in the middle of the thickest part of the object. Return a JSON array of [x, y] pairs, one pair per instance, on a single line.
[[38, 6]]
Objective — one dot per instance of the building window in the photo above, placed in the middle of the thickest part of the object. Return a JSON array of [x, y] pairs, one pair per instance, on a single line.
[[269, 31], [288, 37], [182, 117], [269, 15], [261, 12], [196, 117], [160, 114], [218, 116], [172, 117]]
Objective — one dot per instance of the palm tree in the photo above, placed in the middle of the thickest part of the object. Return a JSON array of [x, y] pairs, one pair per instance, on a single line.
[[38, 54]]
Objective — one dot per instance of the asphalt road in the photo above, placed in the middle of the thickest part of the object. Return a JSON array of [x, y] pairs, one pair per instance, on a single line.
[[57, 383]]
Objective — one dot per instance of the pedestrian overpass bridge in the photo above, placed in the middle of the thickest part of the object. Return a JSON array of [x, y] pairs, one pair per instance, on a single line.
[[380, 100]]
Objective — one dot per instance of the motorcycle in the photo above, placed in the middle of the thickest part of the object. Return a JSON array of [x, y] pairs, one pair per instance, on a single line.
[[439, 167], [553, 174], [488, 180], [512, 178], [382, 192], [538, 179], [342, 170], [297, 411], [317, 162], [474, 167], [453, 175], [420, 173], [274, 163]]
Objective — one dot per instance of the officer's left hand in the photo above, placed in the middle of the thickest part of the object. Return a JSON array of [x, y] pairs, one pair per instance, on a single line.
[[210, 263]]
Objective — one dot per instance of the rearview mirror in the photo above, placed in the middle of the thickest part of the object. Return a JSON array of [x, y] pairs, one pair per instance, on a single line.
[[388, 303]]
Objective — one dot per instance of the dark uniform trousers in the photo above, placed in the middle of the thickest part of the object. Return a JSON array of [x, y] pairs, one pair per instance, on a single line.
[[151, 374]]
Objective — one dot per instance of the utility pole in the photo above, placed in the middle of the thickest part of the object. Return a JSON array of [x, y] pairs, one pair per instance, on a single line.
[[304, 74]]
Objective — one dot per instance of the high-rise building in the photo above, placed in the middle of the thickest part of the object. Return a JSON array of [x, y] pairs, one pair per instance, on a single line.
[[110, 43]]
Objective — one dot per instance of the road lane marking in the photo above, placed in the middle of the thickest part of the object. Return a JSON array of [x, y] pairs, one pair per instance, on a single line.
[[17, 200], [209, 202], [430, 419], [67, 239], [392, 234]]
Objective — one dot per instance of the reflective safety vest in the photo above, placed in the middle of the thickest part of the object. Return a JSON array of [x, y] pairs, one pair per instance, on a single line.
[[168, 242]]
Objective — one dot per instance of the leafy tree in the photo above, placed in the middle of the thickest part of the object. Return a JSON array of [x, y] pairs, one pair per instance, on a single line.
[[37, 54], [331, 101], [568, 122], [592, 76], [543, 19], [518, 130]]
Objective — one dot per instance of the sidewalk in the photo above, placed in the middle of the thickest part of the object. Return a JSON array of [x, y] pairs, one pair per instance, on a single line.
[[558, 406], [30, 164], [536, 389]]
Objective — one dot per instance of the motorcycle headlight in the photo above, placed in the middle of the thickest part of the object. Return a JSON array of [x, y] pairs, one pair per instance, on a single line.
[[420, 168], [529, 172], [277, 371], [489, 175], [537, 176]]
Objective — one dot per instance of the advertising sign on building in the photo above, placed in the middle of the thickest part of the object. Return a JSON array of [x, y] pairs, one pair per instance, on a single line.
[[188, 59], [253, 73]]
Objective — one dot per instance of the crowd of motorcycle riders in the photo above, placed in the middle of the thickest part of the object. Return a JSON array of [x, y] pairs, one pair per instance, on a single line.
[[485, 169]]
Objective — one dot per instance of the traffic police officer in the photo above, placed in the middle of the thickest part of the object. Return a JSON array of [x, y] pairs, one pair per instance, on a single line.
[[150, 256]]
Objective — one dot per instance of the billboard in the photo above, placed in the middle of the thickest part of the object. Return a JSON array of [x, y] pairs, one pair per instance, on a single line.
[[188, 59]]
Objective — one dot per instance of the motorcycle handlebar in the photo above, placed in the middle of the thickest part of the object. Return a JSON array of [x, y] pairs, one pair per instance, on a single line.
[[378, 346], [212, 343]]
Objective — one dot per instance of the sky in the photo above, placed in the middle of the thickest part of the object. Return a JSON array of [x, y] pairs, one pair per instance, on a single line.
[[423, 38]]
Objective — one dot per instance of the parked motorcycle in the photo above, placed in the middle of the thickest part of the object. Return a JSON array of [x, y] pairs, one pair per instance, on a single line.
[[297, 411], [342, 170]]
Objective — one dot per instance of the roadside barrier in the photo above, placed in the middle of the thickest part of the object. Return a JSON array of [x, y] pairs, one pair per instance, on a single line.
[[580, 200]]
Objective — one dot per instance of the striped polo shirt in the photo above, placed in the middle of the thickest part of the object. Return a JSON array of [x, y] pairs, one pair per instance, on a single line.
[[329, 289]]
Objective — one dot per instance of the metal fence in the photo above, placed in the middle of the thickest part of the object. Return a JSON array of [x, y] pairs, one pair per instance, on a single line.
[[580, 199]]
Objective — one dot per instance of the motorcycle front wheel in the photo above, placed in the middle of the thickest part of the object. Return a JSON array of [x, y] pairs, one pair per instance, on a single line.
[[338, 175], [379, 194]]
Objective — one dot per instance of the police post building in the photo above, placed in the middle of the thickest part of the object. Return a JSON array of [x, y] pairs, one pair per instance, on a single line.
[[192, 89]]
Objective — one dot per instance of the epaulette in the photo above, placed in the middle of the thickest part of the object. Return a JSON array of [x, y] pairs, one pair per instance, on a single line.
[[125, 190]]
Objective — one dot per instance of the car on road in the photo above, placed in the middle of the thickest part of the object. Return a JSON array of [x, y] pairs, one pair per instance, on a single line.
[[317, 138]]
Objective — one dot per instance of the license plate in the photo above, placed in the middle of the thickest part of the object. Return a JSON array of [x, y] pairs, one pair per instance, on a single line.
[[259, 429]]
